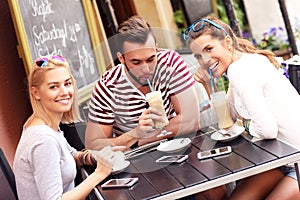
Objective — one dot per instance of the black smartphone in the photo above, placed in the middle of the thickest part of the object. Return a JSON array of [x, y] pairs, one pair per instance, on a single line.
[[120, 183], [172, 159], [214, 152]]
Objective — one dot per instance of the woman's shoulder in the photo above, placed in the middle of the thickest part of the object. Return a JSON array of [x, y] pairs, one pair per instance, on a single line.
[[34, 121], [41, 136], [39, 132], [37, 127], [247, 67], [251, 62], [254, 57]]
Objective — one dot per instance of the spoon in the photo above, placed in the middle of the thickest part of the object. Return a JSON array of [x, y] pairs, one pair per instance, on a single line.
[[224, 133]]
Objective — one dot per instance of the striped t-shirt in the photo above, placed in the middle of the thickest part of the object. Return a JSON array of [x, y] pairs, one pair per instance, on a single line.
[[116, 101]]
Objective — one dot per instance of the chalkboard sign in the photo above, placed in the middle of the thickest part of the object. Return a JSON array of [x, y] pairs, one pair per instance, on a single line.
[[57, 27]]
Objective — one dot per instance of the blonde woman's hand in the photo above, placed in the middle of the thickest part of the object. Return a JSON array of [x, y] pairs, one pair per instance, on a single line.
[[103, 169], [105, 159], [108, 157]]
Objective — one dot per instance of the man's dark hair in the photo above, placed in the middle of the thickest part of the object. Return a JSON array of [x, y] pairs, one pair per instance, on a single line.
[[135, 30]]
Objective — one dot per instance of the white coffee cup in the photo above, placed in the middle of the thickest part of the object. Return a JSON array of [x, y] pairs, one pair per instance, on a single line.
[[118, 159]]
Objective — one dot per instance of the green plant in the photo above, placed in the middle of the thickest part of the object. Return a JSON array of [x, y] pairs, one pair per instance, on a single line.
[[179, 20], [240, 14]]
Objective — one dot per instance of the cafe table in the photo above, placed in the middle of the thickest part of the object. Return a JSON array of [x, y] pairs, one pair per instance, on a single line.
[[173, 181]]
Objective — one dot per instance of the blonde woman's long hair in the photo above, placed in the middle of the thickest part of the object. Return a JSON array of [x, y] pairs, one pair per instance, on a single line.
[[36, 78]]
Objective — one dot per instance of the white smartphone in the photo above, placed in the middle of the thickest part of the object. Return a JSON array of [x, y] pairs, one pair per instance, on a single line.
[[120, 183], [214, 152], [172, 159]]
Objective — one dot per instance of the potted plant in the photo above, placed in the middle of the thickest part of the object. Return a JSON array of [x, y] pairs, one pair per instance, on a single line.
[[274, 40]]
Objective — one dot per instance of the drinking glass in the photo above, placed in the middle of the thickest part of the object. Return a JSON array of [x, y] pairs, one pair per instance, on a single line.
[[220, 105]]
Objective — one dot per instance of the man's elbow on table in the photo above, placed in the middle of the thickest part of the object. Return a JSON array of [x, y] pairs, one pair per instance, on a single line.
[[191, 125], [194, 116], [195, 123]]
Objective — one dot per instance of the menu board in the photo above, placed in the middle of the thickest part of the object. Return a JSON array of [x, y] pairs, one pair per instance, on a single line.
[[57, 27]]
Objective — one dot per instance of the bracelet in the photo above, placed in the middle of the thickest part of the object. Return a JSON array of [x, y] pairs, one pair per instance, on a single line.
[[247, 124], [86, 158]]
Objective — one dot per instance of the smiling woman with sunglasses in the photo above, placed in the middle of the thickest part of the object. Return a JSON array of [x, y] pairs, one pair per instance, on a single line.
[[258, 93], [45, 164]]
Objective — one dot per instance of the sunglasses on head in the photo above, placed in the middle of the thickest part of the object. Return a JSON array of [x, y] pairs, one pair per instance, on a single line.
[[42, 62], [198, 25]]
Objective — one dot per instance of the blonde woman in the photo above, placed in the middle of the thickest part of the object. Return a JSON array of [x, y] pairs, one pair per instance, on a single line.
[[45, 164]]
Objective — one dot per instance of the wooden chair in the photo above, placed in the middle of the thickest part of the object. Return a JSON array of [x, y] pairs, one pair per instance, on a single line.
[[8, 189]]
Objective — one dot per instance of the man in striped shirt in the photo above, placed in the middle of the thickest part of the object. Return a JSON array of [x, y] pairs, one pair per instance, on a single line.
[[118, 110]]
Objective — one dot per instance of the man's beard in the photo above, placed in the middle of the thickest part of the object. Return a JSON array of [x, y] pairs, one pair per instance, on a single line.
[[135, 78]]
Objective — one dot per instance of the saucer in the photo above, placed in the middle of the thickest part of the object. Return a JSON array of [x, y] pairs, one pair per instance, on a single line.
[[234, 132], [174, 145], [119, 168]]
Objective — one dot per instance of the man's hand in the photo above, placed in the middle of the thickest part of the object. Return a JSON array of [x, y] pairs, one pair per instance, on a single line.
[[145, 128]]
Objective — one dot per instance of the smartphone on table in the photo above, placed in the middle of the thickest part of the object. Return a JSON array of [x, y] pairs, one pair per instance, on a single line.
[[214, 152], [120, 183], [172, 159]]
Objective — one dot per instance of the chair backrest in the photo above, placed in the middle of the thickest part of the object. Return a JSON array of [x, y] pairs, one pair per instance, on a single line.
[[8, 189], [294, 74], [75, 132]]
